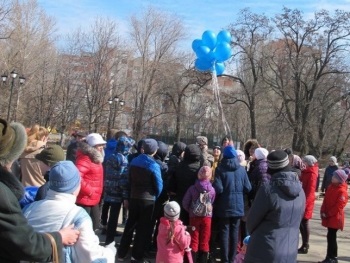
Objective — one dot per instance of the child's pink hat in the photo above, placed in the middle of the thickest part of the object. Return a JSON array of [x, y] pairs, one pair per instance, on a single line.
[[205, 173], [340, 175]]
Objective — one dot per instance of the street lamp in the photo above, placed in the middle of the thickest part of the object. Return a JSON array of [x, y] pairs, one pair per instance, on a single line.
[[4, 78], [114, 103]]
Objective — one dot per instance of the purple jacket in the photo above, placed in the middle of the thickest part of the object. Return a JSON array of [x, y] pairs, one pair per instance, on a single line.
[[193, 192]]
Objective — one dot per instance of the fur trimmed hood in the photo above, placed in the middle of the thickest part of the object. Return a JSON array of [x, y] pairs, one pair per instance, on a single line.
[[94, 155]]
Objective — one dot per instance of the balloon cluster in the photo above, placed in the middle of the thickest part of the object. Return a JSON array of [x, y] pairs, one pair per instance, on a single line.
[[212, 51]]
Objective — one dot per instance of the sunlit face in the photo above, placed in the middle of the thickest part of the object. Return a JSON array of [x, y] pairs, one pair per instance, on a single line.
[[99, 147], [225, 143], [252, 151], [216, 152]]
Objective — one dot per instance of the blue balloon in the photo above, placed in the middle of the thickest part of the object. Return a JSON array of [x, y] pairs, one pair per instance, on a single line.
[[224, 36], [203, 65], [196, 44], [222, 52], [209, 39], [202, 51], [219, 68], [210, 56]]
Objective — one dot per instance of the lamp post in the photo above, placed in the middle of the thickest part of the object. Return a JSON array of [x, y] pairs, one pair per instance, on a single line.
[[4, 78], [114, 103]]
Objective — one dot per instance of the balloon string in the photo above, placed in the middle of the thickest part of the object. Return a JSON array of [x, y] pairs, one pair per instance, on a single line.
[[216, 91]]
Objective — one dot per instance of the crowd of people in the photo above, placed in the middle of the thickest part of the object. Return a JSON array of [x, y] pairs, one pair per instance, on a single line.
[[187, 205]]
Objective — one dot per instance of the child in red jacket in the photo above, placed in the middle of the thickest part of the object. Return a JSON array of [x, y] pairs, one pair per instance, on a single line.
[[332, 212]]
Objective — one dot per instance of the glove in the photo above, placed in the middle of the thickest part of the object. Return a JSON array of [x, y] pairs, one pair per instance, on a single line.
[[112, 247], [323, 215]]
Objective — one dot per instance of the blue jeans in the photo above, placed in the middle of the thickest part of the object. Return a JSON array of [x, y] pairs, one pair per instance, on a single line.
[[228, 229]]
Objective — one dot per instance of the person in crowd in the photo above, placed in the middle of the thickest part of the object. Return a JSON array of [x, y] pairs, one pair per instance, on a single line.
[[116, 185], [230, 201], [328, 173], [274, 218], [241, 158], [217, 156], [176, 156], [308, 180], [139, 150], [89, 163], [200, 237], [18, 240], [240, 256], [227, 140], [32, 170], [184, 177], [249, 148], [294, 160], [71, 154], [206, 158], [159, 157], [332, 212], [146, 184], [58, 210], [258, 175], [110, 149], [49, 156], [172, 239]]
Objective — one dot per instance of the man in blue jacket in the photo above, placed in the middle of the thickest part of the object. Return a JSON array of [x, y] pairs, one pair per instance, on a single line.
[[146, 184]]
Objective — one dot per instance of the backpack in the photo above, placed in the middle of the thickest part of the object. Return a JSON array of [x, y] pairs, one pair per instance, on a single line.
[[202, 206]]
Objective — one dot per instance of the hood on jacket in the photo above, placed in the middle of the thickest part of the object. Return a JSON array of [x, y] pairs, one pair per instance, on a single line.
[[85, 149], [111, 144], [178, 148], [192, 153], [203, 185], [229, 164], [124, 145], [162, 151], [288, 182]]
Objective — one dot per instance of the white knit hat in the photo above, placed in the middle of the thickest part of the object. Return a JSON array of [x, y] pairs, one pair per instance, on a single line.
[[172, 211], [261, 153]]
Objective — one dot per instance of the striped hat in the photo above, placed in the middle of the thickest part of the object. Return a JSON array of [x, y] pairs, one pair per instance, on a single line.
[[277, 160]]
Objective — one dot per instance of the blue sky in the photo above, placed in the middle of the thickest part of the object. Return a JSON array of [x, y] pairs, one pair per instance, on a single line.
[[197, 15]]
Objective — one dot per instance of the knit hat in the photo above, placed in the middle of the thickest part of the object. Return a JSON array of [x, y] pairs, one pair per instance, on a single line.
[[64, 177], [13, 139], [51, 155], [277, 160], [205, 173], [202, 140], [240, 155], [289, 151], [149, 146], [333, 159], [310, 160], [340, 175], [178, 148], [94, 139], [229, 152], [172, 211], [261, 153], [347, 170]]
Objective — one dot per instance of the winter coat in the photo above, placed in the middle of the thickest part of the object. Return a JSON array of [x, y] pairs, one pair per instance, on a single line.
[[333, 205], [173, 251], [327, 177], [231, 183], [89, 163], [308, 180], [33, 170], [71, 154], [110, 148], [145, 178], [274, 219], [186, 173], [58, 210], [193, 193], [18, 240], [257, 175]]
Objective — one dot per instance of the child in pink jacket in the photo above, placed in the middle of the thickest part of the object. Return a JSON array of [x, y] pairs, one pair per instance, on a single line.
[[172, 239]]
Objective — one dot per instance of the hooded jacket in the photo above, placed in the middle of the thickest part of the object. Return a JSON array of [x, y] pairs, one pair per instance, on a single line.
[[231, 183], [159, 157], [274, 219], [89, 163], [308, 179]]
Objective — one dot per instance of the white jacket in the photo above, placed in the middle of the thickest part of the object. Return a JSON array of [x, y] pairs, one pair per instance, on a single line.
[[59, 210]]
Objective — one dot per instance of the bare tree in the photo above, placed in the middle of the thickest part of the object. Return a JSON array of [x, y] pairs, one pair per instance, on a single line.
[[155, 35]]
